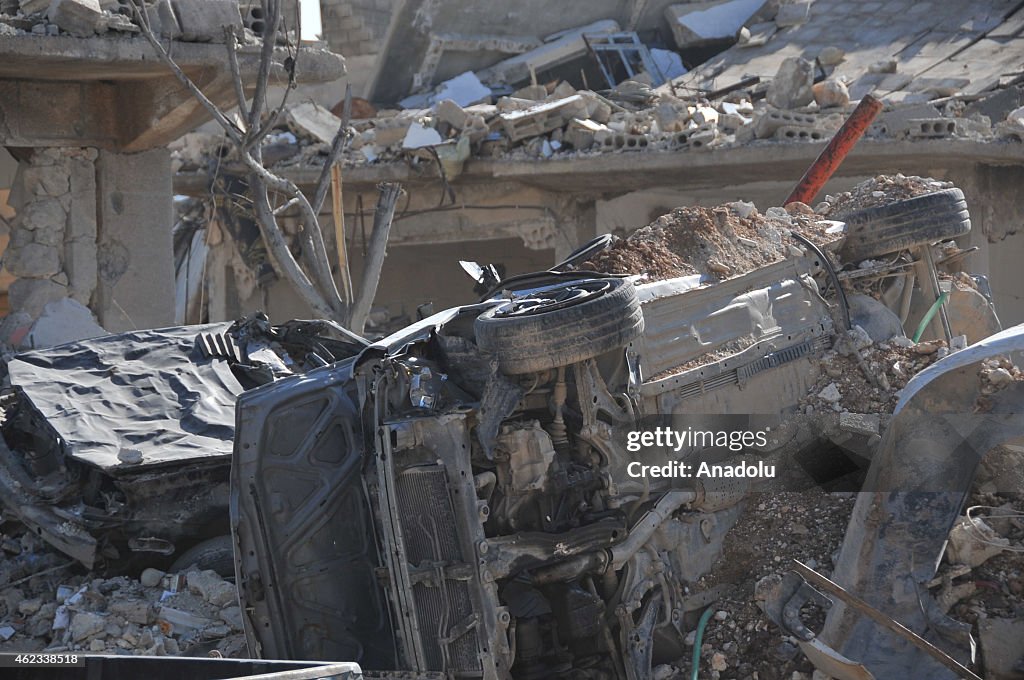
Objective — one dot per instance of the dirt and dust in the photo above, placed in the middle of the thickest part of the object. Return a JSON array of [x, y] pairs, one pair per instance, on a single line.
[[879, 191], [868, 379], [62, 607], [720, 242], [739, 642]]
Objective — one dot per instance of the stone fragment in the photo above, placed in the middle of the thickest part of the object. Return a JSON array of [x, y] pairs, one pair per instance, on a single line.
[[313, 121], [831, 393], [46, 180], [718, 662], [33, 6], [150, 577], [831, 56], [30, 607], [96, 645], [791, 86], [232, 616], [211, 587], [449, 112], [1002, 643], [830, 93], [204, 20], [80, 18], [42, 213], [883, 66], [973, 542], [34, 260], [705, 114], [132, 610], [84, 624]]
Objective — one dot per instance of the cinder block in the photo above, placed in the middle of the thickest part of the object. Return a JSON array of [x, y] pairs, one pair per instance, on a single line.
[[934, 128], [204, 20]]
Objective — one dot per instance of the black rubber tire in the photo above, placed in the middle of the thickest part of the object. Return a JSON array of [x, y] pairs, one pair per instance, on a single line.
[[913, 222], [563, 336], [215, 553]]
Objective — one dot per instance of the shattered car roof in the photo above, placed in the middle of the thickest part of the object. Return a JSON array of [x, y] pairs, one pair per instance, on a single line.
[[153, 391]]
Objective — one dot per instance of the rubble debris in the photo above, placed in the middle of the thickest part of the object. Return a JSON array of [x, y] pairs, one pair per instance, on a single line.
[[204, 20], [716, 242], [791, 86], [831, 93], [881, 190], [557, 49], [80, 18], [1002, 644], [117, 615], [973, 542], [313, 120]]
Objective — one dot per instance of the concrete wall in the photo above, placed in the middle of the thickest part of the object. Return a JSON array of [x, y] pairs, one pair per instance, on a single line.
[[136, 269]]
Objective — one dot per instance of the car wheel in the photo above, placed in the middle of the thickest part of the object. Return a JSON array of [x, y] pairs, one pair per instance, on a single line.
[[215, 553], [913, 222], [560, 325]]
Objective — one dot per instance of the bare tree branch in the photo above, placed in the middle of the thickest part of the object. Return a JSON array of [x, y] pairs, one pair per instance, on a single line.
[[236, 73], [383, 217], [230, 128], [338, 145], [272, 19]]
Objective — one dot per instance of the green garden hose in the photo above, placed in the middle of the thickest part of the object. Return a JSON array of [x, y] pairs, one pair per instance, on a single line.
[[929, 316], [701, 625]]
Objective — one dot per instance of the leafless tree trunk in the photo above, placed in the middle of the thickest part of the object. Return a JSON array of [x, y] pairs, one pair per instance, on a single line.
[[383, 216], [272, 194]]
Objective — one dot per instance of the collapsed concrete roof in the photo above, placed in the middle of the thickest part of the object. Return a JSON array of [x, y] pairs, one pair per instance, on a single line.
[[901, 50], [97, 82]]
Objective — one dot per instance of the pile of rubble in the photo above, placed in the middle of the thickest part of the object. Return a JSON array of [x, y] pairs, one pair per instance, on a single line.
[[861, 376], [878, 191], [556, 120], [184, 20], [720, 242], [51, 608]]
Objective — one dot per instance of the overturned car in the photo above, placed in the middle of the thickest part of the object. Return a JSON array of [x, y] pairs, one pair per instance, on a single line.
[[460, 499]]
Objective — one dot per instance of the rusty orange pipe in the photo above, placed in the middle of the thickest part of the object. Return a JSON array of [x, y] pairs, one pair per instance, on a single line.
[[832, 156]]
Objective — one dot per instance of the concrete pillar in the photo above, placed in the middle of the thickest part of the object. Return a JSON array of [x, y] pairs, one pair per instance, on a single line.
[[135, 287]]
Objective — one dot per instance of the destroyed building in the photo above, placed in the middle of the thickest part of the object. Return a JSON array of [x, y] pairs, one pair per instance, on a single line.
[[86, 114], [533, 161], [253, 488]]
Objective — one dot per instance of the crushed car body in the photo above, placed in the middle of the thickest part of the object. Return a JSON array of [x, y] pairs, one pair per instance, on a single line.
[[121, 444], [458, 498]]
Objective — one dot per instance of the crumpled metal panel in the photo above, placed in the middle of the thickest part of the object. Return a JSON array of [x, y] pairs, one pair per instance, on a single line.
[[150, 390], [682, 324]]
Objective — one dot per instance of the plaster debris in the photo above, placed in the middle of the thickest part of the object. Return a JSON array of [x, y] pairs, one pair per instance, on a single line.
[[973, 542], [791, 86]]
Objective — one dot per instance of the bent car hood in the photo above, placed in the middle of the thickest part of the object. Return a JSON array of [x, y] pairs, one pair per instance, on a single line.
[[150, 390]]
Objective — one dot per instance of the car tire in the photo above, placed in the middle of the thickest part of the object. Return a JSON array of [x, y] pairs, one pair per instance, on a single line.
[[215, 553], [561, 325], [913, 222]]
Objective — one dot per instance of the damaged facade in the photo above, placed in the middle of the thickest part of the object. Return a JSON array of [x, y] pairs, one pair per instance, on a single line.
[[528, 171], [85, 118], [461, 493]]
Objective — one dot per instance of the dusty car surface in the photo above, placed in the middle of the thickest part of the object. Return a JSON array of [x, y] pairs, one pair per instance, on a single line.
[[121, 445], [462, 498]]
